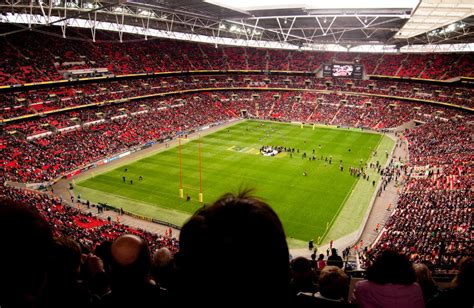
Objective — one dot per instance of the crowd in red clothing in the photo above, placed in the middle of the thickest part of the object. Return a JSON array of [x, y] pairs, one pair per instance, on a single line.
[[76, 138], [433, 218], [51, 57], [87, 229], [434, 206], [32, 102]]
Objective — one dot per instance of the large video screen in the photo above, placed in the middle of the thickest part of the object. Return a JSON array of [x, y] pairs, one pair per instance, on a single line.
[[342, 70]]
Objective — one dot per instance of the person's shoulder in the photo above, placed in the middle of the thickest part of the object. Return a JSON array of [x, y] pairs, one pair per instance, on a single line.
[[363, 284]]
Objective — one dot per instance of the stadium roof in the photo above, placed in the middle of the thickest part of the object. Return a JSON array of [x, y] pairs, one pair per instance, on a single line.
[[364, 25]]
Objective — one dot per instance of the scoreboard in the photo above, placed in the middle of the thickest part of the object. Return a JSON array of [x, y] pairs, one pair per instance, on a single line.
[[343, 70]]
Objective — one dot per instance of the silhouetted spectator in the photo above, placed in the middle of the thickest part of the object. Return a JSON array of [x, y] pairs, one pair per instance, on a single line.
[[64, 288], [460, 295], [335, 259], [27, 244], [333, 289], [129, 275], [391, 282], [303, 278], [234, 252], [162, 267], [426, 282]]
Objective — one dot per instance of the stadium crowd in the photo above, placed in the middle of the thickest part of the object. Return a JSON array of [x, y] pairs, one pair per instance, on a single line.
[[433, 218], [33, 102], [59, 256], [52, 58], [46, 148]]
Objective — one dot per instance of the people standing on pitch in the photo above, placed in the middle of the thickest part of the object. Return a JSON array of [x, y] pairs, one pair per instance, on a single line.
[[335, 259]]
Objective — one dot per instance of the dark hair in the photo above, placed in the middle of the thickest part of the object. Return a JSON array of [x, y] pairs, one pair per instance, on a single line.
[[104, 252], [465, 276], [391, 267], [300, 265], [67, 253], [237, 246], [26, 249]]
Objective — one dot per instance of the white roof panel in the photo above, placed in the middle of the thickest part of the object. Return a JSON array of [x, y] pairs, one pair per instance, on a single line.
[[433, 14]]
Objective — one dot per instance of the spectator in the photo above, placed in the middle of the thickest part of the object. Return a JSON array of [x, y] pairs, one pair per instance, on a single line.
[[64, 288], [460, 295], [129, 275], [335, 259], [333, 288], [391, 282], [321, 262], [234, 252], [423, 278], [162, 268], [27, 244], [303, 278]]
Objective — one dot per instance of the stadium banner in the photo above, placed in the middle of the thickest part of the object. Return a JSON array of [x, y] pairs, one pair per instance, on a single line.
[[119, 117], [65, 129], [73, 173], [124, 154], [108, 160], [94, 122], [36, 185], [161, 222], [147, 145], [84, 169], [38, 135]]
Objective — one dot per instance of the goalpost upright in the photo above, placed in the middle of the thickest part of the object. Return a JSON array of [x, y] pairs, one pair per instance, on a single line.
[[200, 170], [181, 192]]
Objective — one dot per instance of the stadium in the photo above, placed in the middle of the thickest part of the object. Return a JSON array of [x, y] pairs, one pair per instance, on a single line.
[[289, 152]]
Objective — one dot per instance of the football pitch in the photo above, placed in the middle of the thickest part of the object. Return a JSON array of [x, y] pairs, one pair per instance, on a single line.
[[231, 160]]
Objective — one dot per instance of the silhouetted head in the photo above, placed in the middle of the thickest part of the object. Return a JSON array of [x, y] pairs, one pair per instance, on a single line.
[[391, 267], [333, 282], [465, 277], [26, 247], [423, 274], [130, 264], [235, 249], [67, 257]]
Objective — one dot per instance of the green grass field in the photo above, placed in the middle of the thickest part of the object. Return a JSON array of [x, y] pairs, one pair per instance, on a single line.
[[231, 160]]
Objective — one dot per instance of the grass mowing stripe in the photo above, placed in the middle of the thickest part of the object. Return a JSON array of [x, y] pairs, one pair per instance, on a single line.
[[304, 203], [354, 210]]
